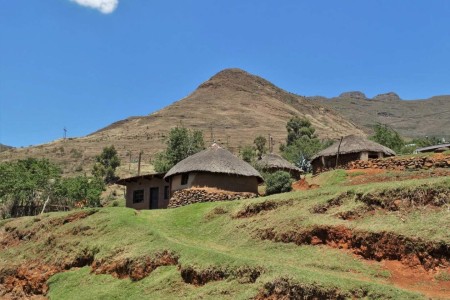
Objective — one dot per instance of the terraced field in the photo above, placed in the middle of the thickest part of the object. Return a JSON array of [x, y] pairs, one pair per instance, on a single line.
[[370, 241]]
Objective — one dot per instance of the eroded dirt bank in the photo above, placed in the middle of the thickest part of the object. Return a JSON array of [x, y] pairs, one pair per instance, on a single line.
[[369, 245]]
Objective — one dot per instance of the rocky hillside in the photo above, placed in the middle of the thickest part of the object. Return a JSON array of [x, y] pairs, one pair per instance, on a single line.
[[414, 118], [232, 107]]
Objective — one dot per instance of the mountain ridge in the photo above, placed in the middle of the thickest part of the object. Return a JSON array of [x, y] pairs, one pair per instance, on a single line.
[[232, 108]]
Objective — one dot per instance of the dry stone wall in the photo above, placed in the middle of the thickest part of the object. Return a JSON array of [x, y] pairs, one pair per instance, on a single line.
[[402, 163], [190, 196]]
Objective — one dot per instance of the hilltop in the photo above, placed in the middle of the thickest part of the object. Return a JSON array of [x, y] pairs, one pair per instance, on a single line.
[[411, 118], [232, 108]]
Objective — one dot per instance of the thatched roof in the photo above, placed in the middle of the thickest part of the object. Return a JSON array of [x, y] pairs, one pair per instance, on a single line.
[[354, 144], [276, 161], [215, 160]]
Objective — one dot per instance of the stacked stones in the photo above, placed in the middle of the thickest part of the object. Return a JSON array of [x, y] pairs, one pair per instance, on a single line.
[[190, 196], [402, 163]]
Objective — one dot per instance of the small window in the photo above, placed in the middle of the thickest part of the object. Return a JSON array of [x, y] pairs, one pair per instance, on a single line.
[[184, 178], [166, 192], [138, 196]]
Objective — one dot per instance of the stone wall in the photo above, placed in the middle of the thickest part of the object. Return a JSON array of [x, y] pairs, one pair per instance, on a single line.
[[190, 196], [402, 163]]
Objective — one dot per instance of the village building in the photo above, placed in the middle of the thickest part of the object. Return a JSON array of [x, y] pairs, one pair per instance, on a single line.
[[149, 191], [216, 168], [272, 162], [435, 148], [350, 148]]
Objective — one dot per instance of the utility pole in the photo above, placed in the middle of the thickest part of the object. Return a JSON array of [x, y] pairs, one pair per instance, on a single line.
[[212, 134], [139, 163], [65, 133], [129, 164], [339, 149]]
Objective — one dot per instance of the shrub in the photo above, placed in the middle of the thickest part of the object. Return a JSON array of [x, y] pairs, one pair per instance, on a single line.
[[278, 182]]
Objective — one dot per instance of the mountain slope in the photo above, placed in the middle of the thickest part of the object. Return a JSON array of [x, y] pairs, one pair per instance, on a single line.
[[4, 147], [414, 118], [232, 107]]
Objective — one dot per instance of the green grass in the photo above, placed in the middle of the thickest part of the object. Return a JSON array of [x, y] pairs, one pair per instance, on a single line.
[[206, 237]]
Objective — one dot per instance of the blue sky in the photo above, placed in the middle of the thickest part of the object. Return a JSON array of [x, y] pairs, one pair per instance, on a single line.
[[63, 63]]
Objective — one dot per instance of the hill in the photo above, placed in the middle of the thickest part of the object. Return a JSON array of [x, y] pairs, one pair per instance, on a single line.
[[232, 107], [5, 147], [411, 118], [385, 240]]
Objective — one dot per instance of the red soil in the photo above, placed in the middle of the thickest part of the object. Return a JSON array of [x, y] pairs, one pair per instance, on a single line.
[[417, 279], [303, 185]]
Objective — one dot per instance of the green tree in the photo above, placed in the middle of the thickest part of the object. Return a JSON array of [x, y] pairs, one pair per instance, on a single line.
[[299, 128], [278, 182], [106, 164], [81, 188], [26, 184], [31, 185], [180, 144], [260, 145], [302, 142], [247, 154], [388, 137]]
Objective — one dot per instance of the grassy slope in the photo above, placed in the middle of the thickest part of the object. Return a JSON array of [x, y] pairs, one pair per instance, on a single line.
[[204, 237]]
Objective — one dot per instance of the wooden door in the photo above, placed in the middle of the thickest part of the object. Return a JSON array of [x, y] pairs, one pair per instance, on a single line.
[[154, 197]]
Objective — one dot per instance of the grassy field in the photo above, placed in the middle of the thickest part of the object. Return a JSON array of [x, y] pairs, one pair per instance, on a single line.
[[219, 250]]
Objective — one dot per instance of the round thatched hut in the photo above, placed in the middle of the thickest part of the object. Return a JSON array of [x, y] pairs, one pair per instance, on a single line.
[[351, 148], [273, 162], [214, 167]]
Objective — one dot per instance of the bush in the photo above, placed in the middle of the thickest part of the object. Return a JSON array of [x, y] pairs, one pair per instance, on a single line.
[[278, 182]]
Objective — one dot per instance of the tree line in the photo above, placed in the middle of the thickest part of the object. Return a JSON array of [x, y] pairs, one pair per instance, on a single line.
[[32, 186]]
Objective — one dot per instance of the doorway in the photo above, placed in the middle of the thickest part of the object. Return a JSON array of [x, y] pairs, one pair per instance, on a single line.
[[154, 197]]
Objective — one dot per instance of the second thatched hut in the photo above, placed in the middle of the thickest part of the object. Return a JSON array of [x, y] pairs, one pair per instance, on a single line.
[[217, 168], [350, 148], [273, 162]]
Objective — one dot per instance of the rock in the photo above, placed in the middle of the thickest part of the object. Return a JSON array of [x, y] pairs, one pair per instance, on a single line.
[[353, 95], [391, 96]]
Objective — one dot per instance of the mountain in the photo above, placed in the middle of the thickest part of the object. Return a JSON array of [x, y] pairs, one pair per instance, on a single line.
[[232, 108], [413, 118]]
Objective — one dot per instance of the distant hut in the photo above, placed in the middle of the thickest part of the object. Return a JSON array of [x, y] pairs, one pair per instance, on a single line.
[[351, 148], [435, 148], [214, 167], [149, 191], [273, 162]]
